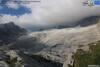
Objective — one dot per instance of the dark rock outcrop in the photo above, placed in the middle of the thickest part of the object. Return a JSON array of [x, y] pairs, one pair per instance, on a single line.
[[10, 32]]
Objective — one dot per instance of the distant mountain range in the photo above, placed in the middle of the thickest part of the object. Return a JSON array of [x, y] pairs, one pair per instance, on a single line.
[[82, 23]]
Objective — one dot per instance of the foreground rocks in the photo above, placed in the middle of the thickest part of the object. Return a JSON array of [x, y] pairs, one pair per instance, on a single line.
[[15, 58], [86, 58]]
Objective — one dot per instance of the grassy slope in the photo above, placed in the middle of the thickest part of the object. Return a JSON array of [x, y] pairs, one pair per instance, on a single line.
[[85, 58]]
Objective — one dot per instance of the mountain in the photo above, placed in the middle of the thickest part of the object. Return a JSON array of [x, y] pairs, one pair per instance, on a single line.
[[10, 32], [10, 35], [48, 48], [58, 45]]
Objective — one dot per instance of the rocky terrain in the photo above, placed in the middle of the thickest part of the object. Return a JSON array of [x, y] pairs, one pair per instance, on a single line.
[[61, 44], [18, 57], [88, 58], [8, 35], [48, 48]]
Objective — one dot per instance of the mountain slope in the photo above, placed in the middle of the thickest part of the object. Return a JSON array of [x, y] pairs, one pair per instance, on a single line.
[[87, 58], [57, 45]]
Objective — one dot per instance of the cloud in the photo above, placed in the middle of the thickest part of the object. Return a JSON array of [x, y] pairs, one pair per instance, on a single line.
[[11, 4], [7, 18], [48, 13]]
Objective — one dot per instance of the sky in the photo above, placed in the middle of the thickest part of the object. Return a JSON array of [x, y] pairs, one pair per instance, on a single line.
[[36, 14]]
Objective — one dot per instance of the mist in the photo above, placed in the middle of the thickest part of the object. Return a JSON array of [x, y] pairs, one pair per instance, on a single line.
[[52, 13]]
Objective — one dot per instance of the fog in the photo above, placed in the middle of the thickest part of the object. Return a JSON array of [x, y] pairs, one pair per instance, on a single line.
[[50, 13]]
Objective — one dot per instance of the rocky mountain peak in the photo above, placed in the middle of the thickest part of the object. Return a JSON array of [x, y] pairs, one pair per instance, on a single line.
[[10, 31]]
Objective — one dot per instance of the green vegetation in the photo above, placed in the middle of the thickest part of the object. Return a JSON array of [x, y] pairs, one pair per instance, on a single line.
[[85, 58]]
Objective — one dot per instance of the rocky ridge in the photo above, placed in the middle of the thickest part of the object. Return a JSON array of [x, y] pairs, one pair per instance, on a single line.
[[10, 32]]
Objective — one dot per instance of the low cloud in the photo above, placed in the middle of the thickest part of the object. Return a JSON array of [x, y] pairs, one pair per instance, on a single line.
[[50, 13], [13, 5]]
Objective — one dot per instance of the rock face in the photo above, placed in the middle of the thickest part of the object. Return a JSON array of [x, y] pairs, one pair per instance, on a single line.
[[10, 32]]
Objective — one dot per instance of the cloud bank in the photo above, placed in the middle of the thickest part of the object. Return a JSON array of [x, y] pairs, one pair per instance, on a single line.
[[50, 13]]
